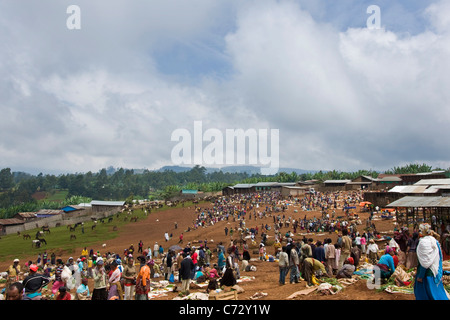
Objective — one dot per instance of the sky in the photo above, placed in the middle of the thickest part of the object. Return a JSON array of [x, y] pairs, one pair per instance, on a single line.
[[108, 85]]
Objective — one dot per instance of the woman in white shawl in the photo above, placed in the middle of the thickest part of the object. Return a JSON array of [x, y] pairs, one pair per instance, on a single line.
[[372, 251], [428, 283], [75, 280], [67, 278]]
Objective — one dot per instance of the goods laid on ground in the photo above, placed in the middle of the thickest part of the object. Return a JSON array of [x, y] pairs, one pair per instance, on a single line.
[[232, 295]]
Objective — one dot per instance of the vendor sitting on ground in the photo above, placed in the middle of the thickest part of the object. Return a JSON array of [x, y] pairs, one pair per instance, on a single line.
[[212, 271], [386, 265], [347, 269], [310, 267]]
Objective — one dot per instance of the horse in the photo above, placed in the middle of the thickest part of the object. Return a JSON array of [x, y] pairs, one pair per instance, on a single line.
[[26, 236], [46, 229]]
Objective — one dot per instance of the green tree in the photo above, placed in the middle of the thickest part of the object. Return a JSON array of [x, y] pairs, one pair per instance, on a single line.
[[6, 179]]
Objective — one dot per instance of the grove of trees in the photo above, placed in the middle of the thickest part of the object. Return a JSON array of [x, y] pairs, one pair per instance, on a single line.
[[17, 188]]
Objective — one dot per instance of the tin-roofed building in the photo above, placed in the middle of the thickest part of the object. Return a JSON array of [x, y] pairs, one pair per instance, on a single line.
[[45, 213], [25, 216], [414, 210], [433, 182], [361, 182], [241, 188], [294, 191], [101, 206], [5, 223]]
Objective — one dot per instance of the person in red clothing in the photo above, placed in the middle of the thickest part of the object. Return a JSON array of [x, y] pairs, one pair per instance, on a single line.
[[395, 257], [63, 294], [194, 257], [212, 272]]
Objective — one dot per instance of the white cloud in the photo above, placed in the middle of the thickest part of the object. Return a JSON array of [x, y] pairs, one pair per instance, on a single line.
[[358, 98], [342, 99]]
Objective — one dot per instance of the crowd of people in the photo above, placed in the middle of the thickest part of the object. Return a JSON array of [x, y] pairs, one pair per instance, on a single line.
[[128, 275], [124, 278], [308, 259]]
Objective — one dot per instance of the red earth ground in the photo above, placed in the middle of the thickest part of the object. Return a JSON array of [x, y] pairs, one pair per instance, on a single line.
[[152, 229]]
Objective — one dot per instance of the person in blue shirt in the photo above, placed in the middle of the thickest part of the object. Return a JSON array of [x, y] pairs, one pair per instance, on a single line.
[[82, 292], [80, 263], [221, 261], [319, 252], [119, 265], [386, 264]]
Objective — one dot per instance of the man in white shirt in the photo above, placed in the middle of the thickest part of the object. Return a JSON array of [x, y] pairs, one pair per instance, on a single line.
[[283, 264]]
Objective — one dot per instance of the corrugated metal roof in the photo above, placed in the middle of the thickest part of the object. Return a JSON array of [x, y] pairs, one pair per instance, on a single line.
[[12, 221], [383, 175], [107, 203], [370, 178], [360, 183], [435, 189], [396, 189], [266, 184], [420, 202], [49, 212], [263, 184], [297, 188], [390, 178], [408, 189], [243, 185], [432, 189], [84, 205], [429, 173], [337, 181], [429, 182], [27, 214], [442, 186]]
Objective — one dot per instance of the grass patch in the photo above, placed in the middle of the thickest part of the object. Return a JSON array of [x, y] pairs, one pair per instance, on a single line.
[[57, 195], [59, 240], [14, 246]]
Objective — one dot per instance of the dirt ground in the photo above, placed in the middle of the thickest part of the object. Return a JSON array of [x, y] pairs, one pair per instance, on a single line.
[[152, 229]]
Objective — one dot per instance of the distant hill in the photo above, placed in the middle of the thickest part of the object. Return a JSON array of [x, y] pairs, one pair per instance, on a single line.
[[174, 169], [235, 169], [21, 175]]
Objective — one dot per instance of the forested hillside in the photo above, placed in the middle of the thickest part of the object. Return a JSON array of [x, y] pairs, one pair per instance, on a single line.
[[18, 189]]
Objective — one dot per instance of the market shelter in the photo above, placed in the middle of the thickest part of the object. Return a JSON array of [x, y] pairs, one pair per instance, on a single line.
[[414, 210]]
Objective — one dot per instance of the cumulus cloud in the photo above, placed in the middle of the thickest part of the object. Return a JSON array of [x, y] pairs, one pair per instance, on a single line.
[[357, 98], [342, 96]]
